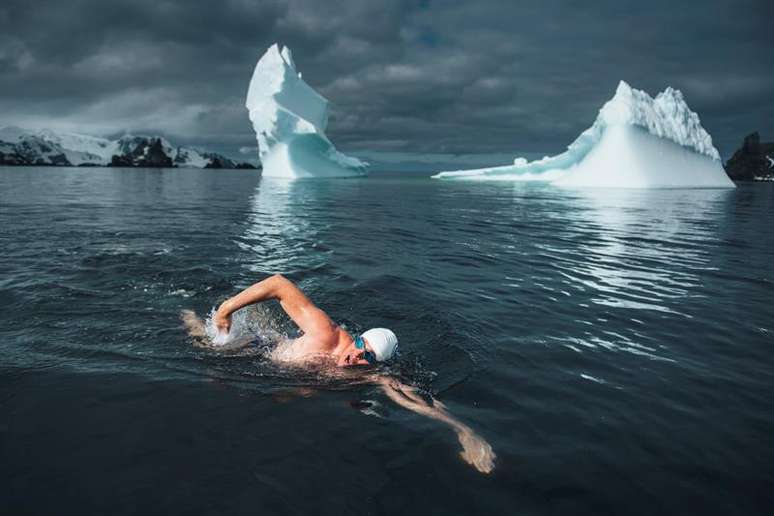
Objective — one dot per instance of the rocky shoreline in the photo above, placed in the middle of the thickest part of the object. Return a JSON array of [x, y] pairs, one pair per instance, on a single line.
[[20, 147], [754, 161]]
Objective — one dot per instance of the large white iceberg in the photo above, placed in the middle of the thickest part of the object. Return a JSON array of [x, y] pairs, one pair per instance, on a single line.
[[635, 142], [289, 119]]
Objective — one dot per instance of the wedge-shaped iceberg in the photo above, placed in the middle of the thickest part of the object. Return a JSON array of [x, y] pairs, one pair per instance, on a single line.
[[635, 142], [289, 119]]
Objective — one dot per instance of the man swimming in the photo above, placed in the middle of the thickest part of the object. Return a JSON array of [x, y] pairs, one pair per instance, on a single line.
[[323, 339]]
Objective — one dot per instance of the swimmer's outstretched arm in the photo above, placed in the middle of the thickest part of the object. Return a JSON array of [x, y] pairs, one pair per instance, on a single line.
[[475, 450], [300, 308]]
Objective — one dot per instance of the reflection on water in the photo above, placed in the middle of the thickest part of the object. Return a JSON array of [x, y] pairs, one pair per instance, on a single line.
[[632, 235], [281, 233], [341, 242], [633, 251]]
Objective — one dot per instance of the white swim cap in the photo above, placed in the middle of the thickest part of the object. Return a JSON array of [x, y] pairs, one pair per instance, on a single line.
[[382, 342]]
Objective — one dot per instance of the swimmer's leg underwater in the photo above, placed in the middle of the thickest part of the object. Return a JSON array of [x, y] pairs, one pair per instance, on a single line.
[[193, 325]]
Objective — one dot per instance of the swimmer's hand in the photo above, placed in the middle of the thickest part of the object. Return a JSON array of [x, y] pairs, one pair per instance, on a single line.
[[222, 319], [476, 451]]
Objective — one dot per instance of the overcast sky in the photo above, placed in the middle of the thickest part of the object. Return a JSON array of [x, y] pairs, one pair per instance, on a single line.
[[494, 79]]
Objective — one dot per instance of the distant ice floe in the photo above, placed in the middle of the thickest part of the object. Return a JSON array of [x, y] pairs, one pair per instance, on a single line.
[[635, 142], [289, 118]]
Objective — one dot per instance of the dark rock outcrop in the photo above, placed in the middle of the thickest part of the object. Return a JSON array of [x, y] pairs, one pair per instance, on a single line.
[[216, 162], [121, 161], [156, 157], [754, 161], [146, 153], [11, 158], [220, 161], [151, 152]]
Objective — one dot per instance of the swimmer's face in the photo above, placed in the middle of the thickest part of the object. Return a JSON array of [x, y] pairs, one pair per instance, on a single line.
[[354, 357]]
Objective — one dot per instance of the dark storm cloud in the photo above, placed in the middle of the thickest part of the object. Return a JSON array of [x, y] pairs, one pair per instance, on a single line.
[[402, 76]]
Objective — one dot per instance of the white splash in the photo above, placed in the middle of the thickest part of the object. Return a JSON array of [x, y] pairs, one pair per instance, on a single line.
[[239, 328]]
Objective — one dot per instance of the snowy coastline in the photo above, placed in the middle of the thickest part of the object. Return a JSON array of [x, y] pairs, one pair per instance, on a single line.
[[44, 147]]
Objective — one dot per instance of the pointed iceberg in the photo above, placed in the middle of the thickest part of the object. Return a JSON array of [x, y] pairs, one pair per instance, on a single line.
[[289, 119], [635, 142]]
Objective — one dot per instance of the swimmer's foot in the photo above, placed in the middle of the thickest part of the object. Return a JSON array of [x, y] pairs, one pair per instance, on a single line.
[[193, 324]]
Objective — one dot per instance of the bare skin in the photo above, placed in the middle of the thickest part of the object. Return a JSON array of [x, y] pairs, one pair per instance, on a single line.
[[475, 450], [322, 338]]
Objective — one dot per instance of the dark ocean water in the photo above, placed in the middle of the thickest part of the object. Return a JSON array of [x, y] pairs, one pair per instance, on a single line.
[[615, 347]]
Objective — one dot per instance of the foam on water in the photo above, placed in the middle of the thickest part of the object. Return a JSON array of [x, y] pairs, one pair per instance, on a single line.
[[220, 338], [246, 324]]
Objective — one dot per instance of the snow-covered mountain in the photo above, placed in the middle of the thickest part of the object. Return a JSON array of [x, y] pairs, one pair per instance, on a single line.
[[46, 147], [635, 142], [20, 148]]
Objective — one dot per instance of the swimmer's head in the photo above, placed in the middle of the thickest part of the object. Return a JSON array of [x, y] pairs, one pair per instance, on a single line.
[[382, 342], [375, 345]]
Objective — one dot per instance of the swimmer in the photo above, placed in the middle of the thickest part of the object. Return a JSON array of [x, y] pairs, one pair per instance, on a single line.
[[322, 339]]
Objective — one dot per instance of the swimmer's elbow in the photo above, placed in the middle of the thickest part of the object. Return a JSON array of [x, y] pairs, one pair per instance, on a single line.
[[283, 288], [281, 285], [281, 282]]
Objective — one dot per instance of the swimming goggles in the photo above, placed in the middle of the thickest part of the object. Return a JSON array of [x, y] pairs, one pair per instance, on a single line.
[[368, 355]]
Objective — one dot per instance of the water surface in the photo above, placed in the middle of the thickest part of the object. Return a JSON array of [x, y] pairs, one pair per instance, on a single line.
[[613, 346]]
